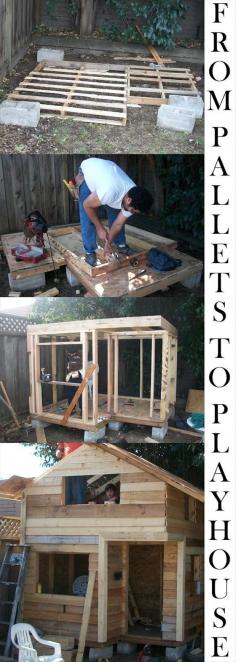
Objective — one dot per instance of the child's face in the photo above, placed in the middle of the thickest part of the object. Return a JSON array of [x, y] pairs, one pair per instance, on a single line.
[[110, 492]]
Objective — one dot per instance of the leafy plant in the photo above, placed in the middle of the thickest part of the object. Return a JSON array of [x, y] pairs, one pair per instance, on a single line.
[[183, 189], [159, 20]]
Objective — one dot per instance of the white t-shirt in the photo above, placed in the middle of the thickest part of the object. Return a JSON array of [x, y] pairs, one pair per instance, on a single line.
[[108, 181]]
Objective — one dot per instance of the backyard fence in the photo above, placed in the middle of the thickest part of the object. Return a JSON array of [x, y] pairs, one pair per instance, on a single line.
[[14, 363], [16, 25], [29, 182]]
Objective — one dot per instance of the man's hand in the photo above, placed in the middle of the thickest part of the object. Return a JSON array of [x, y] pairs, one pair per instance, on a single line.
[[102, 233]]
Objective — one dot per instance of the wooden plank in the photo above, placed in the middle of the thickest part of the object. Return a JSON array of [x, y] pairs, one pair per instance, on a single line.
[[102, 590], [95, 375], [86, 615], [77, 395], [54, 369], [84, 338], [110, 372], [152, 379], [141, 369], [116, 374], [180, 602]]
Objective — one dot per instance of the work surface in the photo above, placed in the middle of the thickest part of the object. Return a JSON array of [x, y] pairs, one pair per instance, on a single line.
[[125, 278]]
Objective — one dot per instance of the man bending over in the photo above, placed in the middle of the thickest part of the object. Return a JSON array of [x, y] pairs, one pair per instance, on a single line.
[[102, 182]]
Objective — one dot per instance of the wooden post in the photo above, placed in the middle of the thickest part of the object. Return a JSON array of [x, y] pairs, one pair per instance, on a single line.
[[164, 404], [86, 616], [84, 338], [110, 373], [141, 369], [125, 587], [23, 521], [116, 376], [8, 32], [95, 376], [38, 385], [102, 589], [180, 600], [54, 370], [152, 389]]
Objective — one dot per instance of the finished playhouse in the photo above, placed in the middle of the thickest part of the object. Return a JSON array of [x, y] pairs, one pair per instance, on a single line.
[[142, 556], [148, 343]]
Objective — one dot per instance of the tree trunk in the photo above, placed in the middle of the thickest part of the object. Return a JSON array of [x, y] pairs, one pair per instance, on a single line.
[[87, 16]]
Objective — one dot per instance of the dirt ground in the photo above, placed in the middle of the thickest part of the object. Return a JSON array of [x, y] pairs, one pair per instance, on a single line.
[[69, 136]]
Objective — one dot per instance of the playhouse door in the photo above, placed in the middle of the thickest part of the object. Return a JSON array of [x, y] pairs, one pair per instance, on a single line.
[[145, 589]]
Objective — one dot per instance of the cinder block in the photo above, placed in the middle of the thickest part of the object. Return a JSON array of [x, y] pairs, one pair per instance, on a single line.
[[71, 279], [125, 648], [175, 653], [20, 113], [115, 425], [25, 284], [175, 119], [39, 425], [160, 433], [188, 103], [96, 653], [50, 54], [94, 436]]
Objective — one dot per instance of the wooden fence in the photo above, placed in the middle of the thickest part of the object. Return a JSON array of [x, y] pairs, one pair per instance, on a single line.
[[14, 369], [16, 25], [29, 182]]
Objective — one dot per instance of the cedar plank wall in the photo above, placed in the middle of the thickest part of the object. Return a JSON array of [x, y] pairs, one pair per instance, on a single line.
[[194, 604], [175, 513], [169, 591], [116, 592], [16, 25]]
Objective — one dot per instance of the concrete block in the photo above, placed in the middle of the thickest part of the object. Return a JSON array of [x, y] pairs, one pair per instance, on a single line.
[[96, 653], [175, 119], [175, 653], [39, 425], [50, 54], [125, 648], [160, 433], [20, 113], [94, 436], [115, 425], [192, 281], [25, 284], [188, 103], [71, 279]]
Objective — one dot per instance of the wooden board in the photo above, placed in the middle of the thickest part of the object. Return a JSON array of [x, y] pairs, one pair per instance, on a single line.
[[70, 246], [125, 282], [195, 401], [87, 94], [28, 269], [152, 87], [67, 248]]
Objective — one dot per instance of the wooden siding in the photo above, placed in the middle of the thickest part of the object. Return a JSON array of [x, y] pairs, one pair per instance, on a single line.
[[141, 488], [176, 515], [194, 602], [169, 592], [61, 614]]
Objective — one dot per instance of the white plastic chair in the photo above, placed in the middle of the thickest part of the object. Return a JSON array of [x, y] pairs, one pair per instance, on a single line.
[[21, 638]]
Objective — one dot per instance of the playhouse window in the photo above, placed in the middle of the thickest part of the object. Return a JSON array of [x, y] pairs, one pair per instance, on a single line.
[[57, 572], [91, 489]]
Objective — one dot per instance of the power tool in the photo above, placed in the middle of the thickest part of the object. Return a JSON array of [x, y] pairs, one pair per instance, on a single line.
[[35, 226]]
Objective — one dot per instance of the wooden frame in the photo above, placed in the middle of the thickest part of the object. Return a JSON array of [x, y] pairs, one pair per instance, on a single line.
[[152, 87], [85, 93], [111, 405]]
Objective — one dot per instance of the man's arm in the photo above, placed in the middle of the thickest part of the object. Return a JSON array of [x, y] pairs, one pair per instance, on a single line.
[[91, 203], [116, 227]]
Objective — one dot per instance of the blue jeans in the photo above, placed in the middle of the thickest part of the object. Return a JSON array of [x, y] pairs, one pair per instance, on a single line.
[[88, 229]]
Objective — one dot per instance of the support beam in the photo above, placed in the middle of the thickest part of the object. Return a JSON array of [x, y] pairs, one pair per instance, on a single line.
[[141, 369], [84, 337], [95, 376], [86, 616], [116, 377], [180, 602], [102, 590], [152, 389], [77, 395], [164, 406], [54, 369], [110, 373]]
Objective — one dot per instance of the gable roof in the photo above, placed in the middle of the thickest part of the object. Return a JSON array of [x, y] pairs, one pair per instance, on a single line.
[[140, 463]]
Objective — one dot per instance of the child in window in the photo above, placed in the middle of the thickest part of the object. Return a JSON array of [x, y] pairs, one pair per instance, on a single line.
[[111, 494]]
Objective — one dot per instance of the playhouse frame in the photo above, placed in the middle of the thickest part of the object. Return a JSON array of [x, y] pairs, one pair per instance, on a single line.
[[94, 416]]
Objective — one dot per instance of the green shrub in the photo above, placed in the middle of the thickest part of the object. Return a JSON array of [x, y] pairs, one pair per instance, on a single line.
[[159, 20]]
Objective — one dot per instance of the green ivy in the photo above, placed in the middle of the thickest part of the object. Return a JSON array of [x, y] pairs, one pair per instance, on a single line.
[[159, 20]]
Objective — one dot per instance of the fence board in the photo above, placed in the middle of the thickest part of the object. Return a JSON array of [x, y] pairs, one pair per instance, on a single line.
[[16, 25]]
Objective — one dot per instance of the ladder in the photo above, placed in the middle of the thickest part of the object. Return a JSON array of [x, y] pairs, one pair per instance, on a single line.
[[12, 574]]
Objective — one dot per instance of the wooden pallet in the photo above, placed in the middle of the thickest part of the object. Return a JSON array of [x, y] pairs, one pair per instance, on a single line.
[[86, 93], [152, 87]]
